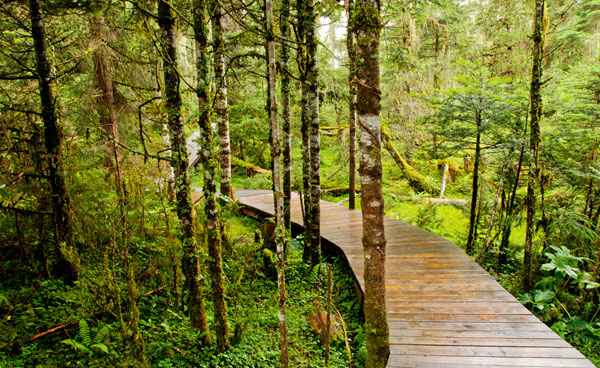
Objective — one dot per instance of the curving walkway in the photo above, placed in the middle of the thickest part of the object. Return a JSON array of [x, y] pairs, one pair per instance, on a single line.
[[444, 310]]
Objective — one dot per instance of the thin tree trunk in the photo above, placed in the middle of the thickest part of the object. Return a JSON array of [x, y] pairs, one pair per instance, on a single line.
[[507, 226], [367, 26], [305, 128], [444, 179], [486, 245], [209, 165], [277, 192], [312, 95], [474, 189], [535, 117], [179, 161], [53, 137], [351, 46], [221, 105], [286, 114]]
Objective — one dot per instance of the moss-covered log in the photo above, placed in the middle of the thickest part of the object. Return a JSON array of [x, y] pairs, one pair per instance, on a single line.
[[250, 168], [416, 181]]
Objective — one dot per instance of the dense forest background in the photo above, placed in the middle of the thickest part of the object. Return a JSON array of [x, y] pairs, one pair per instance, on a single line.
[[109, 281]]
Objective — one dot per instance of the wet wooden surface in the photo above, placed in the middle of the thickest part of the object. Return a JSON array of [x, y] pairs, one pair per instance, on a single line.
[[444, 310]]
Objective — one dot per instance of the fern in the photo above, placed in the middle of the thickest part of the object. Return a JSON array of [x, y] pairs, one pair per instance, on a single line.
[[101, 335], [84, 333]]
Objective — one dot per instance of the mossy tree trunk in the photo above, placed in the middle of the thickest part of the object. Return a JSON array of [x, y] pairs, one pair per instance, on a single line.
[[367, 26], [209, 165], [106, 101], [286, 114], [351, 46], [535, 139], [179, 161], [221, 105], [305, 125], [53, 142], [272, 109], [312, 112], [474, 187]]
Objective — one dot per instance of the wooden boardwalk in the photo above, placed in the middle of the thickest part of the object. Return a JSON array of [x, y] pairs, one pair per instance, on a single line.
[[444, 310]]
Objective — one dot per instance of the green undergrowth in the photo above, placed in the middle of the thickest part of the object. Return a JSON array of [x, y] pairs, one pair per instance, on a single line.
[[92, 335]]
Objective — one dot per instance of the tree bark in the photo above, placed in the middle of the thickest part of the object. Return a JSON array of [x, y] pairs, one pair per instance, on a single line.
[[305, 126], [179, 161], [221, 104], [535, 117], [53, 142], [351, 46], [106, 102], [286, 114], [312, 96], [209, 166], [367, 27], [277, 192], [475, 188]]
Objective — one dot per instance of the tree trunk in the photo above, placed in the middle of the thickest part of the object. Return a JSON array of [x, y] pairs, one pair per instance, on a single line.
[[106, 103], [474, 189], [53, 137], [302, 62], [221, 105], [312, 96], [286, 114], [535, 117], [277, 192], [351, 46], [444, 179], [179, 162], [367, 27], [209, 165]]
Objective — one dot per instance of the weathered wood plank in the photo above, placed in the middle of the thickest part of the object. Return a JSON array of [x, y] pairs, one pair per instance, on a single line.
[[444, 310]]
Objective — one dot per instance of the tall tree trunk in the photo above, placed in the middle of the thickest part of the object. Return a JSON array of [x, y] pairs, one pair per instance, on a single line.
[[351, 46], [474, 189], [312, 96], [221, 105], [367, 26], [179, 162], [535, 117], [305, 128], [277, 192], [209, 165], [106, 102], [53, 136], [286, 114]]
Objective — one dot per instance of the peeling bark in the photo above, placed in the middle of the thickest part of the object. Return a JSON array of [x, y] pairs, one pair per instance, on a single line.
[[222, 108], [367, 27]]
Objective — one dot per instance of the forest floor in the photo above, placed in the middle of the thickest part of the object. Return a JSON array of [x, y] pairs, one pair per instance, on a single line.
[[34, 306]]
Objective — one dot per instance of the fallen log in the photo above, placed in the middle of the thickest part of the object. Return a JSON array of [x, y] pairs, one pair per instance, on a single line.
[[416, 181], [250, 168]]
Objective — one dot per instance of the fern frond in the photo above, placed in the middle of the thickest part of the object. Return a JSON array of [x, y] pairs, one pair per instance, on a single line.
[[101, 335], [84, 332], [100, 348]]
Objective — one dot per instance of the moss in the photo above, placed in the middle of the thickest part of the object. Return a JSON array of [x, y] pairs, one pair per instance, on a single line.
[[416, 181]]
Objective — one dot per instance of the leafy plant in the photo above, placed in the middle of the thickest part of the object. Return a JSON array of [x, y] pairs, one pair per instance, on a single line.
[[84, 343]]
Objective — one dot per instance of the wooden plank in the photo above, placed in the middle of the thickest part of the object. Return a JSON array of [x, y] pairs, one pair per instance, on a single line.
[[444, 310]]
